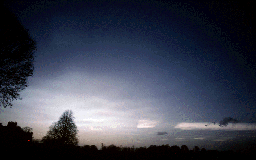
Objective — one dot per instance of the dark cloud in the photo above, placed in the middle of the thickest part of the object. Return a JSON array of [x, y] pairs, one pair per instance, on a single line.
[[162, 133], [226, 120]]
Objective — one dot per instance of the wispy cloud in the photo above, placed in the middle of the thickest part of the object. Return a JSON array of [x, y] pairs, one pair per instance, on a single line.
[[146, 124], [219, 140], [227, 120], [95, 128], [162, 133], [179, 139], [206, 126], [164, 139], [91, 120]]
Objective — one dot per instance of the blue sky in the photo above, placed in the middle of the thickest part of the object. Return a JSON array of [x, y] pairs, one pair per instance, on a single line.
[[130, 70]]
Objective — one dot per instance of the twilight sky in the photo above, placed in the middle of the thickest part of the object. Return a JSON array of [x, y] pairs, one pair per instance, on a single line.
[[137, 72]]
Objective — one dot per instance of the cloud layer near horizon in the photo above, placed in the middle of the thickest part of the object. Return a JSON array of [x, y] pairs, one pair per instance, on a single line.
[[210, 126]]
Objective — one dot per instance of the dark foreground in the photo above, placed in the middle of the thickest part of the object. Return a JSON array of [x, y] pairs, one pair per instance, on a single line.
[[41, 151]]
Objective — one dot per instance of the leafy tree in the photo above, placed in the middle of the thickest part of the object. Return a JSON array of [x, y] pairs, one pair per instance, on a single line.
[[184, 149], [16, 57], [203, 150], [28, 133], [63, 132], [175, 149], [27, 129], [87, 147], [196, 149], [91, 148], [103, 147], [94, 148]]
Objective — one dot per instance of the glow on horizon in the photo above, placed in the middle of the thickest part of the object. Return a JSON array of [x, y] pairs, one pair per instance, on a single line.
[[146, 124]]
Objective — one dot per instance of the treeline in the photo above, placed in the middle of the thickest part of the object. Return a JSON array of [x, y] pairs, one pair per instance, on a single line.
[[61, 142], [38, 150]]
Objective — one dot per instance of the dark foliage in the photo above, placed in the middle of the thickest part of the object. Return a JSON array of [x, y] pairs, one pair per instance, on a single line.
[[63, 132], [41, 151], [14, 144], [184, 149], [13, 135], [16, 57]]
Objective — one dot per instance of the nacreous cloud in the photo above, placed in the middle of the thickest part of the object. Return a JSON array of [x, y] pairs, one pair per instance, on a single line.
[[146, 124], [206, 126]]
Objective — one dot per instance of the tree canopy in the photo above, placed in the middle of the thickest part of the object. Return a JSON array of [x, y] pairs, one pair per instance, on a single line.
[[16, 57], [63, 132]]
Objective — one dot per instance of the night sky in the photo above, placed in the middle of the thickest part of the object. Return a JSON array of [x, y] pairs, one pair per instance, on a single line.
[[139, 72]]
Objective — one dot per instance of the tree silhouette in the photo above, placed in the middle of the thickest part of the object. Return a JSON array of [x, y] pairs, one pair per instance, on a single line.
[[184, 149], [27, 129], [113, 148], [63, 132], [175, 149], [203, 150], [93, 148], [16, 57], [196, 149]]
